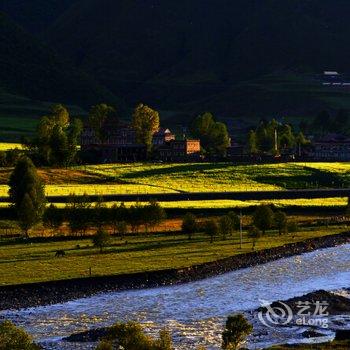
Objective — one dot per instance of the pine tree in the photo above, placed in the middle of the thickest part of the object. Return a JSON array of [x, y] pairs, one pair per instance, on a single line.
[[27, 193]]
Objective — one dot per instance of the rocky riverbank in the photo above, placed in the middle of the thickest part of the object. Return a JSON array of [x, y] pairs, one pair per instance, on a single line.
[[31, 295], [338, 305]]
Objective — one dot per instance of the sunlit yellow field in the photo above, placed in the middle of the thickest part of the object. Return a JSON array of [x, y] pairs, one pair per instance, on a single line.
[[151, 178], [6, 146]]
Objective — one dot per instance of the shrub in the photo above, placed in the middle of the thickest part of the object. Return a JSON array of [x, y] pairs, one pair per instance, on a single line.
[[130, 336], [236, 330], [14, 338]]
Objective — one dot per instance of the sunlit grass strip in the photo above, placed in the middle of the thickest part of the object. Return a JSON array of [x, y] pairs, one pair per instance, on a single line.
[[227, 204], [6, 146]]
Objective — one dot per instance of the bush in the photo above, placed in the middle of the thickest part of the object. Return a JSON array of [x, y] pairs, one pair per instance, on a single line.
[[13, 338], [130, 336], [236, 330]]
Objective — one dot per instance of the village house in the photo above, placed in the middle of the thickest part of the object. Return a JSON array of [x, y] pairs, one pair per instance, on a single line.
[[162, 136], [236, 152], [333, 147], [118, 144], [179, 151]]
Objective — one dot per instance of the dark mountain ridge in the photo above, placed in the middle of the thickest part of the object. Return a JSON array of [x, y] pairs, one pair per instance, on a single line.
[[35, 16], [245, 57], [30, 68], [174, 53]]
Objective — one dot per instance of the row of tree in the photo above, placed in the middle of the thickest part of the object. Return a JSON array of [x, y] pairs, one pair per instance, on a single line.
[[80, 215], [56, 140], [58, 135], [263, 219], [145, 121], [226, 225], [326, 122], [27, 194], [273, 137], [213, 135]]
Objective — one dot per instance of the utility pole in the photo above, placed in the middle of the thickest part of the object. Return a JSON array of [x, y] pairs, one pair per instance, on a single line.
[[276, 142]]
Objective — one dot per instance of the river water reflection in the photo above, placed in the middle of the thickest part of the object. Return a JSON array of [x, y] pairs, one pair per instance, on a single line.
[[194, 312]]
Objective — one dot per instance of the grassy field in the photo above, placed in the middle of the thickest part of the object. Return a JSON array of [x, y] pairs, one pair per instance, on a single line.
[[36, 262], [19, 115], [153, 178], [206, 177]]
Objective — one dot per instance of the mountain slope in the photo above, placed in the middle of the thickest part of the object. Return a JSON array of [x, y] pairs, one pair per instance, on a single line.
[[29, 68], [186, 53], [35, 15]]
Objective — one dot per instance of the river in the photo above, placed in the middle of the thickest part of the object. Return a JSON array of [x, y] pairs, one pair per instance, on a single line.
[[195, 312]]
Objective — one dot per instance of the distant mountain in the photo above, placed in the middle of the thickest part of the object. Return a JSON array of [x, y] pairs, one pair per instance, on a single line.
[[193, 53], [32, 69], [35, 15], [247, 58]]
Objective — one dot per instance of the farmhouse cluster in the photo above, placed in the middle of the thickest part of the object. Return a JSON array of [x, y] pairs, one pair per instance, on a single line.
[[119, 144]]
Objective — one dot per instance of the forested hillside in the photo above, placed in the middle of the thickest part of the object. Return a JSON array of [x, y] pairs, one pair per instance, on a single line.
[[30, 68], [202, 53], [246, 58], [35, 15]]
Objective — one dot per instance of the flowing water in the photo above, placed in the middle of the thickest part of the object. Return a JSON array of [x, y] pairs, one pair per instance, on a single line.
[[195, 312]]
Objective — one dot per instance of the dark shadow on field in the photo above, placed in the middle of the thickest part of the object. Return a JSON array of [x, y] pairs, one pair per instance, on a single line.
[[316, 179], [176, 168]]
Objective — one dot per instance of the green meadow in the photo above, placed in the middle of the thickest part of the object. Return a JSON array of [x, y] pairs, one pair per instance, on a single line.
[[36, 262]]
